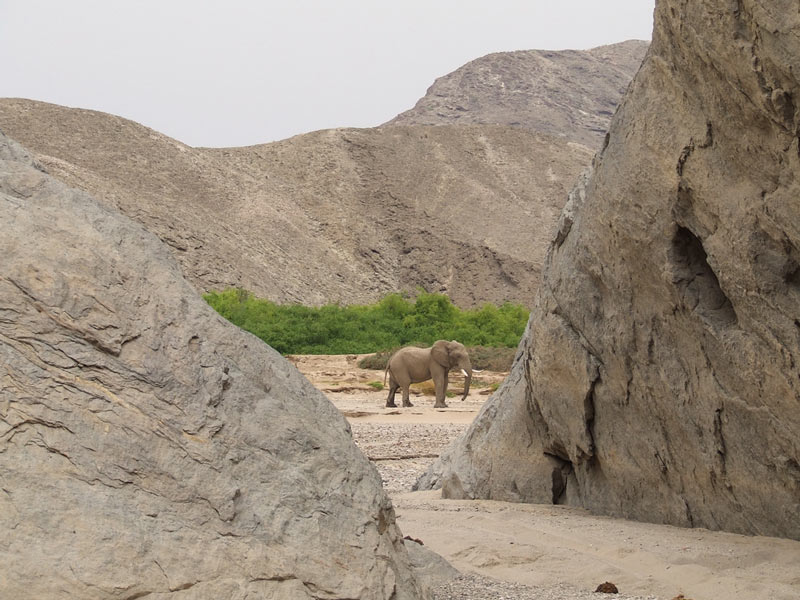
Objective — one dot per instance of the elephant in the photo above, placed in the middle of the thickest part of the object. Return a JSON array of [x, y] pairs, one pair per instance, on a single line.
[[412, 365]]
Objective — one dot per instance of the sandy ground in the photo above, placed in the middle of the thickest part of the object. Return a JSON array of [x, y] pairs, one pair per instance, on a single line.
[[538, 552]]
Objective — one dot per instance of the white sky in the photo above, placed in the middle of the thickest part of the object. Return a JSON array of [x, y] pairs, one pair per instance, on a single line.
[[238, 72]]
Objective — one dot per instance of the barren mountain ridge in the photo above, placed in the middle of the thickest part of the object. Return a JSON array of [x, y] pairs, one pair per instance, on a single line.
[[342, 215]]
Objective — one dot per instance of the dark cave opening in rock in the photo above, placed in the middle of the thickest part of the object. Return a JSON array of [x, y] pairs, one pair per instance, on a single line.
[[792, 275], [701, 292]]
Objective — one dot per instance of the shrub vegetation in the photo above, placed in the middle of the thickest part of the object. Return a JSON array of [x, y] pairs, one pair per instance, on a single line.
[[393, 322]]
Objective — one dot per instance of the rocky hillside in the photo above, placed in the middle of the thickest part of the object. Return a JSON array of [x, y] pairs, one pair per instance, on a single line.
[[147, 446], [660, 375], [342, 215], [569, 94]]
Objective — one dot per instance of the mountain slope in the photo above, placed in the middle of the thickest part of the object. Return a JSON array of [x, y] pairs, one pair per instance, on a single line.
[[570, 93], [332, 216]]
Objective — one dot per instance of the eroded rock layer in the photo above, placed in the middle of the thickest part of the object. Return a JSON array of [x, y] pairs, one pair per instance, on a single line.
[[149, 448], [659, 378]]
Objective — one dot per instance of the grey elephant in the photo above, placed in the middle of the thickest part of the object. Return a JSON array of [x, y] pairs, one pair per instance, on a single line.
[[412, 365]]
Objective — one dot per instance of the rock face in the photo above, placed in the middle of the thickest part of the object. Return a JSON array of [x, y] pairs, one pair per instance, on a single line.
[[332, 216], [659, 378], [570, 94], [147, 447]]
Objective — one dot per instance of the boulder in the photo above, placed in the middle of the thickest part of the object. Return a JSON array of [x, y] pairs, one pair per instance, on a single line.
[[659, 378], [430, 569], [148, 448]]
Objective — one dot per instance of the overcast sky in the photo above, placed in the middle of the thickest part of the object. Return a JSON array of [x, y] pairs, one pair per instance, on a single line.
[[238, 72]]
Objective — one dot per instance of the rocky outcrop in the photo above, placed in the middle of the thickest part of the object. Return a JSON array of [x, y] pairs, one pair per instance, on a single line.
[[659, 378], [150, 449], [570, 94], [346, 215]]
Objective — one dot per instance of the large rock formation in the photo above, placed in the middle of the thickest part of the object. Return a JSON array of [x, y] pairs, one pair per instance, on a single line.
[[345, 215], [570, 94], [659, 378], [149, 448]]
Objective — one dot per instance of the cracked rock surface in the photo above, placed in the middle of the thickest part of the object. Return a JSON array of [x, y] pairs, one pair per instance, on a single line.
[[150, 449], [659, 378]]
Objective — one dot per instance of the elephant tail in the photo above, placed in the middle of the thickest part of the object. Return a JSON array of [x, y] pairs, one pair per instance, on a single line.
[[385, 371]]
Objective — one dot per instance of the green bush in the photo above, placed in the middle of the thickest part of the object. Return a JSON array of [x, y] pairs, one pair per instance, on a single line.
[[393, 322]]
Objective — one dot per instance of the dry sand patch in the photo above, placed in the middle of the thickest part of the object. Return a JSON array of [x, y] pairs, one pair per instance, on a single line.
[[546, 546]]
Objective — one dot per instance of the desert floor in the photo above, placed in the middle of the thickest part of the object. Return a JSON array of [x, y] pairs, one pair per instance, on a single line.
[[538, 552]]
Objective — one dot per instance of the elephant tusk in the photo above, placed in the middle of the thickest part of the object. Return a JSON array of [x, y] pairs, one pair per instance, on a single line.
[[475, 371], [464, 372]]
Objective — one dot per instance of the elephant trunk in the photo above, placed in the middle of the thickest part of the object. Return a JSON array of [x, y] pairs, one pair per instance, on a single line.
[[467, 381]]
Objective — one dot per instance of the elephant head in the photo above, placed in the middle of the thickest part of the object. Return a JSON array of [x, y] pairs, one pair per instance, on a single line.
[[453, 355]]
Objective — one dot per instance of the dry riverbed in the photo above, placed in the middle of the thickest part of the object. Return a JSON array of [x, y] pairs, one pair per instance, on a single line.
[[537, 552]]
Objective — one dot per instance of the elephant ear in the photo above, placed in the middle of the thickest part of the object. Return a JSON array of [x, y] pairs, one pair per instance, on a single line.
[[440, 354]]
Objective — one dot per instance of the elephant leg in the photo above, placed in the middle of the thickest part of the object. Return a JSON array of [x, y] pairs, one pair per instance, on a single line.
[[392, 391], [441, 392], [406, 401]]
